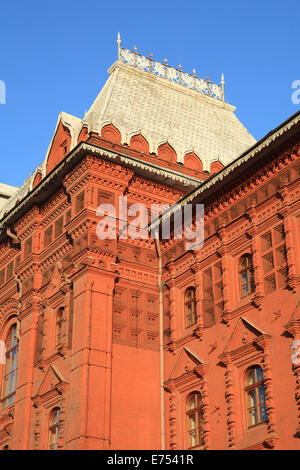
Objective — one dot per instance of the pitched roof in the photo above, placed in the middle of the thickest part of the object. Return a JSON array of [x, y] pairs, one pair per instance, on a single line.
[[163, 110]]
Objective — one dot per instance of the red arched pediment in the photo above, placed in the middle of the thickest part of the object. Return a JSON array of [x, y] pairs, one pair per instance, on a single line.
[[138, 142], [60, 147], [166, 152], [193, 162], [111, 133], [215, 167]]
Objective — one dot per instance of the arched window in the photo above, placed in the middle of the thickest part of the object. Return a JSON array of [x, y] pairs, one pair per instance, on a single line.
[[194, 420], [59, 325], [54, 428], [10, 368], [190, 307], [246, 275], [255, 396]]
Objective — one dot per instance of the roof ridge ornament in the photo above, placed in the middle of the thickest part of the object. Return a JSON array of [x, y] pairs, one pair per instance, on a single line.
[[119, 46], [172, 74]]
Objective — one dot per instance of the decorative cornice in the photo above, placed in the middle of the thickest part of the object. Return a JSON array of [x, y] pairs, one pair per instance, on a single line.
[[238, 162]]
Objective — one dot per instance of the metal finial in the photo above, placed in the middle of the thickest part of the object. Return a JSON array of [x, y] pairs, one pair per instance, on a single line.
[[135, 49], [207, 77], [194, 72], [150, 55], [222, 85], [179, 66], [119, 46], [166, 61]]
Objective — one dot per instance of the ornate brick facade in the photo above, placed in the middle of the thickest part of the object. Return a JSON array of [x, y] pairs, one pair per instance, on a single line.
[[90, 314]]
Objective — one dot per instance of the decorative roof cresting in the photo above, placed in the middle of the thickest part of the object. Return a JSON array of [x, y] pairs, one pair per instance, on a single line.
[[170, 73]]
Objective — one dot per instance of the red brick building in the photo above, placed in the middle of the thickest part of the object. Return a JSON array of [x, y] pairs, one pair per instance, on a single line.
[[124, 343]]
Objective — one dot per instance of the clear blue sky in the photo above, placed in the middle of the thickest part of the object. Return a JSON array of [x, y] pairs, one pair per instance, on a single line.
[[55, 55]]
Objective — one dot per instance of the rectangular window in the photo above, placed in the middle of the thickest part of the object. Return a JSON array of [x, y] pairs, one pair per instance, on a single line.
[[28, 247], [274, 259], [79, 203], [18, 260], [2, 277], [48, 236], [212, 294], [59, 224], [10, 270], [68, 216]]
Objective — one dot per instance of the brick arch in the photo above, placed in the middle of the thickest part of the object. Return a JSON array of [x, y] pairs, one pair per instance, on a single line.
[[111, 133], [138, 142], [216, 166], [8, 315], [166, 152], [193, 162]]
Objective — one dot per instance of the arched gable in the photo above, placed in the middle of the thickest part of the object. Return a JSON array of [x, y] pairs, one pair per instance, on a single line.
[[193, 162], [138, 142], [60, 147], [166, 152], [216, 166], [111, 133]]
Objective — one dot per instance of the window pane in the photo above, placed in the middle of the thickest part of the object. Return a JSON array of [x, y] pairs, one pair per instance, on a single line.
[[252, 398], [192, 422], [259, 374], [245, 289], [252, 416], [192, 402], [251, 377], [193, 440], [263, 413]]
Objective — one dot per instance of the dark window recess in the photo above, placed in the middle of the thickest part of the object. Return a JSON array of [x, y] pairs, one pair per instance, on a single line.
[[212, 295], [59, 224], [2, 277], [104, 198], [48, 236], [274, 259], [28, 247], [79, 205], [10, 270], [68, 216]]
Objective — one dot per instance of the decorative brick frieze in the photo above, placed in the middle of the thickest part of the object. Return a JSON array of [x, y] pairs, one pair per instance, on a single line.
[[293, 328], [230, 401]]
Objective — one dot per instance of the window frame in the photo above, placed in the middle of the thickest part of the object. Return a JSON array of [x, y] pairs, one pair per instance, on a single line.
[[187, 302], [7, 399], [249, 270], [256, 386], [54, 428], [199, 420]]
